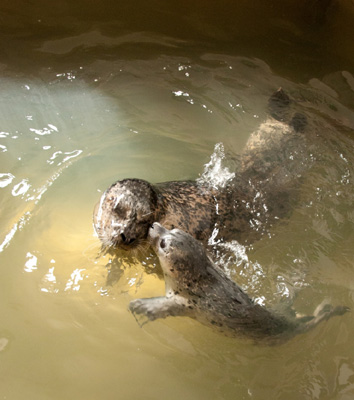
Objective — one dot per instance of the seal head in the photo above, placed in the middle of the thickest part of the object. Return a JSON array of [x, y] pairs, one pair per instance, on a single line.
[[125, 212], [182, 260]]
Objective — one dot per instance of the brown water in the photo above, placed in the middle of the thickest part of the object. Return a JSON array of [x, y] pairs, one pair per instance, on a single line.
[[95, 92]]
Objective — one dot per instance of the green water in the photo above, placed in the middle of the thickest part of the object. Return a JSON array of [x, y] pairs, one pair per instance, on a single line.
[[91, 93]]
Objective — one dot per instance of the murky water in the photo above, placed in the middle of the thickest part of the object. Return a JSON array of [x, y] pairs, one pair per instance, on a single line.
[[94, 93]]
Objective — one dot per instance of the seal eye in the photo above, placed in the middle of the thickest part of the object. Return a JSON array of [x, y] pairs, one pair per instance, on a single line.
[[120, 212], [162, 244]]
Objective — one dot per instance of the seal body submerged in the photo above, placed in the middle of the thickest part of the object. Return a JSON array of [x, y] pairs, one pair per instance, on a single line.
[[262, 191], [196, 288]]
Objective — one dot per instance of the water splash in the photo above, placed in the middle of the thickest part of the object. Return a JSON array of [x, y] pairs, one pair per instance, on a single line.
[[6, 179], [31, 263], [17, 226], [217, 172], [75, 278]]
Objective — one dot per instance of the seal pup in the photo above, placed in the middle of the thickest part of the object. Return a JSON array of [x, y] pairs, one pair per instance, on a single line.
[[196, 288], [262, 191]]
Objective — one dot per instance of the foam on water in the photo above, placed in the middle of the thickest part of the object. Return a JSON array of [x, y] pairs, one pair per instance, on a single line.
[[217, 172]]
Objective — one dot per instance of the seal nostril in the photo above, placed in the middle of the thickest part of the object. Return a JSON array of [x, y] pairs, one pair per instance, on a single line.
[[126, 240]]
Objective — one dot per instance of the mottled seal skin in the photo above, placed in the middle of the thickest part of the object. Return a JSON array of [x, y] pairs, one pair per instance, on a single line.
[[125, 212], [196, 288], [262, 191], [129, 207]]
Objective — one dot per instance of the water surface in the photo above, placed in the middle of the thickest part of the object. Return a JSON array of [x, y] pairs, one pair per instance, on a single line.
[[95, 93]]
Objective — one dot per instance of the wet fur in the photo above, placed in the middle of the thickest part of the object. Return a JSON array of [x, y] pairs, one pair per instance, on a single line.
[[196, 288], [262, 192]]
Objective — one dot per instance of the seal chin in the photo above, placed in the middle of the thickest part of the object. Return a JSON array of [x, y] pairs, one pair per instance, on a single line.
[[119, 242]]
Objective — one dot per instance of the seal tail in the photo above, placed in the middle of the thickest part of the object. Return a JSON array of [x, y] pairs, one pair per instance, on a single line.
[[322, 313]]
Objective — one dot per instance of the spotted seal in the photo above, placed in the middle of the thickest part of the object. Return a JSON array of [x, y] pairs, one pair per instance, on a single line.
[[262, 191], [196, 288]]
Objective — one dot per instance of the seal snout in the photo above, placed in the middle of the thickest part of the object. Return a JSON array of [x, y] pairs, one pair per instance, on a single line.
[[155, 232], [126, 239]]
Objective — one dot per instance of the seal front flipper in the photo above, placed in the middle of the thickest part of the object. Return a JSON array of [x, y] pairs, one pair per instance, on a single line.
[[158, 307]]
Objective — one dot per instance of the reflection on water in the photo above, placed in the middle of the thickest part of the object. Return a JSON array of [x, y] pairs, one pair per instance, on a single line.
[[94, 97]]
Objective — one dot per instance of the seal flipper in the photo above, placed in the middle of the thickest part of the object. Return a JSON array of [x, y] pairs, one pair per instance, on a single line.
[[322, 313], [158, 307], [278, 105], [298, 122], [279, 108]]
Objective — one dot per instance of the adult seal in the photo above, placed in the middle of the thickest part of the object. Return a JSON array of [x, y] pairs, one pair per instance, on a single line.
[[196, 288], [262, 191], [129, 207]]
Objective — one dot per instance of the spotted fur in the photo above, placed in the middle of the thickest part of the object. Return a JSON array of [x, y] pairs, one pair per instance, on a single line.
[[196, 288], [262, 191]]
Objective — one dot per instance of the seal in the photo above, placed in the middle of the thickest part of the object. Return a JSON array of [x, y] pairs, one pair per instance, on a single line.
[[129, 207], [196, 288], [262, 191]]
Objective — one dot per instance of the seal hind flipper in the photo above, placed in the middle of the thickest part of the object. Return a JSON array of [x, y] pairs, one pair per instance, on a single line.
[[278, 105], [279, 108], [298, 122], [323, 312]]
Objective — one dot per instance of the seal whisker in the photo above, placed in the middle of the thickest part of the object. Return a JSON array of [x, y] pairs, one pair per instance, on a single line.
[[94, 247], [140, 248], [146, 215]]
